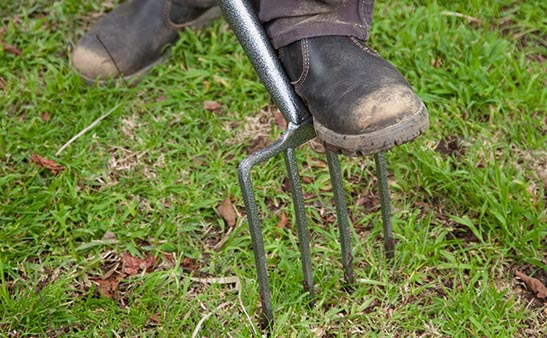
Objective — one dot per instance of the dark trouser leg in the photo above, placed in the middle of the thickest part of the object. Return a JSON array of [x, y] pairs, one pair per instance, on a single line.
[[287, 21]]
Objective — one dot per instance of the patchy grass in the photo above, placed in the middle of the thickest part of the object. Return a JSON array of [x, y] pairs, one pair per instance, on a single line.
[[120, 242]]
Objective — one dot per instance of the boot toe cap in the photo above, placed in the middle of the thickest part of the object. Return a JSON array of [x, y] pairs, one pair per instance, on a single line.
[[385, 107], [92, 63], [385, 118]]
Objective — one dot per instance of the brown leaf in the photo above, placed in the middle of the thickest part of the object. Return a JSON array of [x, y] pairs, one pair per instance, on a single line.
[[109, 235], [169, 259], [450, 146], [11, 49], [258, 143], [316, 146], [134, 265], [309, 196], [307, 179], [197, 161], [283, 220], [156, 318], [43, 162], [212, 106], [534, 284], [227, 211], [45, 116], [368, 201], [188, 263], [108, 286]]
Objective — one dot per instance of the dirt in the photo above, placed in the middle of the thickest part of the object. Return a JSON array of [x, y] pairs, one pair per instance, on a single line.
[[451, 146]]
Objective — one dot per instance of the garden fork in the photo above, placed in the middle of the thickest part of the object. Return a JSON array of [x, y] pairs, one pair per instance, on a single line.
[[255, 43]]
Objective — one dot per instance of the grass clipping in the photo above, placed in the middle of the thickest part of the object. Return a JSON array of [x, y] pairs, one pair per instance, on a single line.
[[223, 280]]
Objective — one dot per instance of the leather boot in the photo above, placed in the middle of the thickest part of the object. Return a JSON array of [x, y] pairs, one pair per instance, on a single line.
[[359, 102], [132, 38]]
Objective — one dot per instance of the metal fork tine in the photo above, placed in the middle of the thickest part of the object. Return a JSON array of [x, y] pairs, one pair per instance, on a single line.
[[383, 188], [301, 227], [258, 244], [341, 215]]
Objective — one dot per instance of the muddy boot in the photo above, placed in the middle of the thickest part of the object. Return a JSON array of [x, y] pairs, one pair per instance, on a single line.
[[360, 103], [128, 41]]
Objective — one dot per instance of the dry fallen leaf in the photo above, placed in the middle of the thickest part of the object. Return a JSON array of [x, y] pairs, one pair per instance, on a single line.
[[134, 265], [283, 220], [109, 235], [11, 49], [43, 162], [316, 146], [228, 212], [169, 259], [156, 318], [212, 106], [108, 286], [534, 284], [188, 263], [307, 179], [259, 142]]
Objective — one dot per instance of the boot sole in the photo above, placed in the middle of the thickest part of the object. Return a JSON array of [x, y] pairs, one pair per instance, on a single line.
[[132, 79], [376, 141]]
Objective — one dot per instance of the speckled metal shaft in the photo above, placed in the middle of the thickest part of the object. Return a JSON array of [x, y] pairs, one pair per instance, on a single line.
[[383, 188], [255, 43], [341, 215], [301, 226]]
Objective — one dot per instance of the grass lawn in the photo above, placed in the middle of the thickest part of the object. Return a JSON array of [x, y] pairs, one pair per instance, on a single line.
[[117, 235]]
